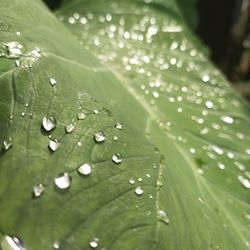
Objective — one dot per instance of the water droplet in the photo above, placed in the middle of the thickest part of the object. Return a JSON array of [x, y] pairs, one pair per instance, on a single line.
[[54, 144], [23, 114], [49, 123], [131, 181], [115, 138], [38, 190], [116, 158], [118, 126], [95, 111], [7, 144], [94, 243], [52, 81], [99, 137], [244, 181], [13, 242], [221, 165], [227, 119], [18, 63], [85, 169], [14, 49], [63, 181], [81, 116], [209, 104], [70, 128], [162, 216], [56, 244], [240, 166], [139, 191]]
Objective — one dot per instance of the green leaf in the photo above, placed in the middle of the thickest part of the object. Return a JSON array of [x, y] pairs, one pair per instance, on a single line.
[[183, 182]]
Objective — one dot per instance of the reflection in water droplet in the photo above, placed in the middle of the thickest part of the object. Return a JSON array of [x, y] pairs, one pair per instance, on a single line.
[[118, 125], [14, 243], [85, 169], [139, 191], [162, 216], [69, 128], [99, 137], [52, 81], [48, 123], [227, 119], [38, 190], [94, 243], [7, 144], [116, 158], [63, 181], [244, 181], [81, 116], [54, 144]]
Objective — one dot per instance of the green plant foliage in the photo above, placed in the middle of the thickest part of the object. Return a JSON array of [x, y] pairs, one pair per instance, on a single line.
[[117, 132]]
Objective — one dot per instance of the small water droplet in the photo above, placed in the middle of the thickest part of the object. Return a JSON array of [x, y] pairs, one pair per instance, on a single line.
[[99, 137], [14, 49], [85, 169], [118, 126], [131, 181], [94, 243], [244, 181], [209, 104], [81, 116], [38, 190], [70, 128], [116, 158], [13, 242], [54, 145], [63, 181], [139, 191], [95, 111], [52, 81], [23, 114], [162, 216], [18, 62], [56, 244], [49, 123], [7, 144], [115, 138]]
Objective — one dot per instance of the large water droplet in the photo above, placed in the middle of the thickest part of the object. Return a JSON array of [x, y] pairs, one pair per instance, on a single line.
[[99, 137], [244, 181], [139, 191], [48, 123], [7, 144], [162, 216], [70, 128], [12, 242], [85, 169], [38, 190], [227, 119], [94, 243], [63, 181], [54, 144], [116, 158]]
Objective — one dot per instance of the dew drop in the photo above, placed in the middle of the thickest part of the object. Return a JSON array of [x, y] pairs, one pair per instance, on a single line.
[[52, 81], [162, 216], [70, 128], [94, 243], [227, 119], [85, 169], [244, 181], [63, 181], [56, 244], [95, 111], [131, 181], [116, 158], [139, 191], [118, 126], [7, 144], [13, 242], [38, 190], [99, 137], [54, 145], [14, 49], [115, 138], [209, 104], [81, 116], [49, 123]]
